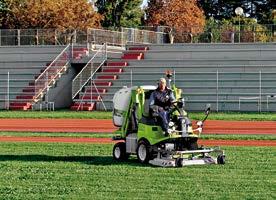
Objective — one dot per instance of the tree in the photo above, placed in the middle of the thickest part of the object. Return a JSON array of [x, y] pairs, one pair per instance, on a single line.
[[225, 9], [153, 8], [183, 15], [62, 14], [3, 10], [120, 13]]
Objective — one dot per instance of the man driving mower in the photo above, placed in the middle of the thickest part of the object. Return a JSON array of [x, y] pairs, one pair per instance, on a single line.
[[160, 102], [170, 142]]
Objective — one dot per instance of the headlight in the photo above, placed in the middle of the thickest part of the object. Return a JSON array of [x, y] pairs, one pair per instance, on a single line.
[[199, 123]]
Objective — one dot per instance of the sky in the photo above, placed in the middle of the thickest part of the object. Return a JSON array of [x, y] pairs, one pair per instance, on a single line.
[[144, 3]]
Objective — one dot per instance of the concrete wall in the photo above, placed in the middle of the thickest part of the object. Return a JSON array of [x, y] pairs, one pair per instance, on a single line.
[[61, 92], [23, 63]]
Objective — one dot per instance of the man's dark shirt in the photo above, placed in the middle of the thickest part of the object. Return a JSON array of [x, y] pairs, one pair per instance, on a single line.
[[161, 98]]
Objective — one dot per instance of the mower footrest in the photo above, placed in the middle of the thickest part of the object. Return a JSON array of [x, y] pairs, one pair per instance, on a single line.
[[163, 162], [196, 162]]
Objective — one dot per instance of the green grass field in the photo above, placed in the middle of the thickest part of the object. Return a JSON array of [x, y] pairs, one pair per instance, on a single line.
[[109, 135], [87, 171], [108, 115]]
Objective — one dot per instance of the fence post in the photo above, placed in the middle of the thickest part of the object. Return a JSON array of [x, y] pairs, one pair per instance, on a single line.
[[74, 38], [260, 95], [18, 37], [37, 37], [131, 78], [232, 36], [191, 36], [217, 92], [46, 85], [211, 37], [56, 37], [91, 86], [8, 91], [105, 51], [174, 77], [87, 36], [122, 37], [71, 53]]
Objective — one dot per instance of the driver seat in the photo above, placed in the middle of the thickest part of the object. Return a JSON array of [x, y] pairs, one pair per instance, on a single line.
[[146, 115]]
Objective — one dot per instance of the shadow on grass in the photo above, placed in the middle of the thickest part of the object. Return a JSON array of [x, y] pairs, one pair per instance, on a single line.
[[90, 160]]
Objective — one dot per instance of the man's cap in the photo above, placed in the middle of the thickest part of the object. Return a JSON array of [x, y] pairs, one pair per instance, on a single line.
[[163, 80]]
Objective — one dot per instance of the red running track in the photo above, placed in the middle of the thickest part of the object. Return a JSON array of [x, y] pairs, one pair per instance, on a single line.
[[106, 126]]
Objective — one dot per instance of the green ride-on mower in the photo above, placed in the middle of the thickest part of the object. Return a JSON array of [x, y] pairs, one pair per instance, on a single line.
[[140, 132]]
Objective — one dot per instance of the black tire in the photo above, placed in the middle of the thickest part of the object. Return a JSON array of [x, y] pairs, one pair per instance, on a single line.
[[179, 162], [119, 151], [143, 153], [221, 159]]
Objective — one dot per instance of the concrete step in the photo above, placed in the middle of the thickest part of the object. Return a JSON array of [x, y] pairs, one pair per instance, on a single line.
[[139, 48], [25, 97], [88, 97], [113, 70], [117, 63], [114, 77], [83, 106], [21, 104], [103, 83], [133, 56]]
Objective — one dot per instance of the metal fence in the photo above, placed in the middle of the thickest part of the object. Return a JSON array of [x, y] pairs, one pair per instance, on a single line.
[[89, 70], [51, 73], [18, 37], [226, 91], [159, 35]]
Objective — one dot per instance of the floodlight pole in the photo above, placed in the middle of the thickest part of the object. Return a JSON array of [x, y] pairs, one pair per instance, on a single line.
[[239, 12], [239, 29]]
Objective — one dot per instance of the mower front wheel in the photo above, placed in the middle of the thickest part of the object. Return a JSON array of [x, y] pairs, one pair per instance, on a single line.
[[221, 159], [143, 153], [119, 151]]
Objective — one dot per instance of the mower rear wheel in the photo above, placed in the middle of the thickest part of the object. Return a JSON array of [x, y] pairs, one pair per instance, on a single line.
[[119, 151], [143, 153], [221, 159]]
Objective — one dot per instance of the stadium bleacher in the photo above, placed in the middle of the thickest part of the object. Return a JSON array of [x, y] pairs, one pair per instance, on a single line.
[[20, 67], [232, 77], [220, 74]]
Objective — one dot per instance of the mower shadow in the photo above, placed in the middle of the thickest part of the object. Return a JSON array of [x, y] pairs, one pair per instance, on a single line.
[[90, 160]]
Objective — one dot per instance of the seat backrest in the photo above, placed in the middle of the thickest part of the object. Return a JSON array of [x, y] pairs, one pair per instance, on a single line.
[[146, 111], [146, 108]]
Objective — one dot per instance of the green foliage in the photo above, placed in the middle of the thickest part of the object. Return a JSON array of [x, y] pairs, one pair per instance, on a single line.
[[225, 9], [249, 29], [120, 13], [87, 171], [3, 11], [2, 5]]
